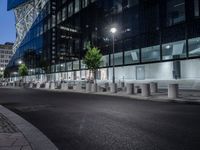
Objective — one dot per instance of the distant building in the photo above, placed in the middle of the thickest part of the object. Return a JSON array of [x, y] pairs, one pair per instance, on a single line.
[[6, 54]]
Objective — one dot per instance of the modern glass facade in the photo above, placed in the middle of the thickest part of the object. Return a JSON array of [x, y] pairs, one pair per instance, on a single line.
[[14, 3], [149, 31]]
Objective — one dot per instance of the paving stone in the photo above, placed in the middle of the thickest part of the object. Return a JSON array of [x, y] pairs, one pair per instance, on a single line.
[[6, 126], [10, 137]]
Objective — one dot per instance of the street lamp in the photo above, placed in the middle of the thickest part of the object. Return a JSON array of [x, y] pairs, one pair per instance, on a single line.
[[113, 31]]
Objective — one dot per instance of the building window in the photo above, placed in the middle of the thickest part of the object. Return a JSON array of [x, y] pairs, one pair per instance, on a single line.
[[76, 65], [77, 6], [174, 50], [105, 61], [58, 68], [175, 12], [69, 66], [53, 68], [118, 58], [194, 47], [151, 54], [196, 8], [83, 66], [70, 10], [62, 67], [131, 57], [85, 3], [59, 17], [64, 13]]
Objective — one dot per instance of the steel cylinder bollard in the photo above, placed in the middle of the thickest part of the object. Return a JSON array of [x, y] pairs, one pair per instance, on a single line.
[[52, 85], [154, 87], [130, 88], [173, 91], [113, 88], [94, 88], [88, 87], [145, 90]]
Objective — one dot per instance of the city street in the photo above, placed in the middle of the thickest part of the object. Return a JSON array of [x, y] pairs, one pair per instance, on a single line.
[[75, 121]]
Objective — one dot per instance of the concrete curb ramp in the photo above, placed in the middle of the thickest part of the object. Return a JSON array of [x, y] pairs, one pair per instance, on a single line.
[[36, 138]]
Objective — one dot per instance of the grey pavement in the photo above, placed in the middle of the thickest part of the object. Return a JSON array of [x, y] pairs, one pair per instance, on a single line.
[[77, 121], [10, 137], [18, 134]]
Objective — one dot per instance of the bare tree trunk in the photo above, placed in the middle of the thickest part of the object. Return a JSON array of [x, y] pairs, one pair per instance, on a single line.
[[89, 75], [95, 77]]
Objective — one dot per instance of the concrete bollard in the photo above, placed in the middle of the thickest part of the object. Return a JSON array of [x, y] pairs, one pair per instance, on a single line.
[[77, 87], [122, 84], [173, 91], [31, 85], [106, 86], [113, 87], [94, 88], [62, 86], [88, 87], [52, 85], [130, 88], [154, 87], [47, 85], [145, 90], [38, 85]]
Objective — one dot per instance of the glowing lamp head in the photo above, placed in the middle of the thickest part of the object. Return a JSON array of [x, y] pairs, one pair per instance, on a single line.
[[113, 30], [20, 62]]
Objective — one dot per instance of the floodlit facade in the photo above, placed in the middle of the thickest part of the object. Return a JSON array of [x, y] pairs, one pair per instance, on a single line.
[[155, 39], [6, 54]]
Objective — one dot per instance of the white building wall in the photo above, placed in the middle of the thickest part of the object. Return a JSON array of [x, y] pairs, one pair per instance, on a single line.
[[159, 71], [123, 73], [190, 69]]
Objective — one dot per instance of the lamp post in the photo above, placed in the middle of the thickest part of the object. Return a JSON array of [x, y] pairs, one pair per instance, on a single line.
[[113, 31]]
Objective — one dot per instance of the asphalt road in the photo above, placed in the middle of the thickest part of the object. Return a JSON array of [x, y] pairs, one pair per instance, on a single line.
[[89, 122]]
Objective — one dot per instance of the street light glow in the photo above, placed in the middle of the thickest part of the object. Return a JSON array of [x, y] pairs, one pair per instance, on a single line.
[[20, 62], [113, 30]]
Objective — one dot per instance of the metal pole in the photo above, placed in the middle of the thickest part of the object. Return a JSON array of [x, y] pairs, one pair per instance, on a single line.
[[113, 58]]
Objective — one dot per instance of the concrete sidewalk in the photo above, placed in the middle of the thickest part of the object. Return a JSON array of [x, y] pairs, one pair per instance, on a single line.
[[10, 137], [18, 134]]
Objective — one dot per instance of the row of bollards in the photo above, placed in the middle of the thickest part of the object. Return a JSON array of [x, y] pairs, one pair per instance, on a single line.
[[146, 89]]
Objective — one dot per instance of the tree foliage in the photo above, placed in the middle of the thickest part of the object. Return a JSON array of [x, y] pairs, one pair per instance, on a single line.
[[6, 73], [92, 59], [23, 70]]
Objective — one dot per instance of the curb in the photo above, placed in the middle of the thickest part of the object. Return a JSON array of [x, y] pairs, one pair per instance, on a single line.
[[127, 96], [35, 137]]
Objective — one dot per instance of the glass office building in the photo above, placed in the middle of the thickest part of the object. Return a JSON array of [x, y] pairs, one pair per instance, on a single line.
[[156, 39]]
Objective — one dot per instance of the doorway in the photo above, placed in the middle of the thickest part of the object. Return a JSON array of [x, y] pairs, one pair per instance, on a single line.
[[140, 73]]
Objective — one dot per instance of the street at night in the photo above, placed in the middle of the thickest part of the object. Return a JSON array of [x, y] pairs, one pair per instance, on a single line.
[[75, 121]]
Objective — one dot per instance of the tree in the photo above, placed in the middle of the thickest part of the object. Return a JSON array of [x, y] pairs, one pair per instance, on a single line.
[[6, 73], [23, 70], [92, 59]]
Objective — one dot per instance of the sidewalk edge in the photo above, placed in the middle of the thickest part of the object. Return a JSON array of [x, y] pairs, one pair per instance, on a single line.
[[35, 137]]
